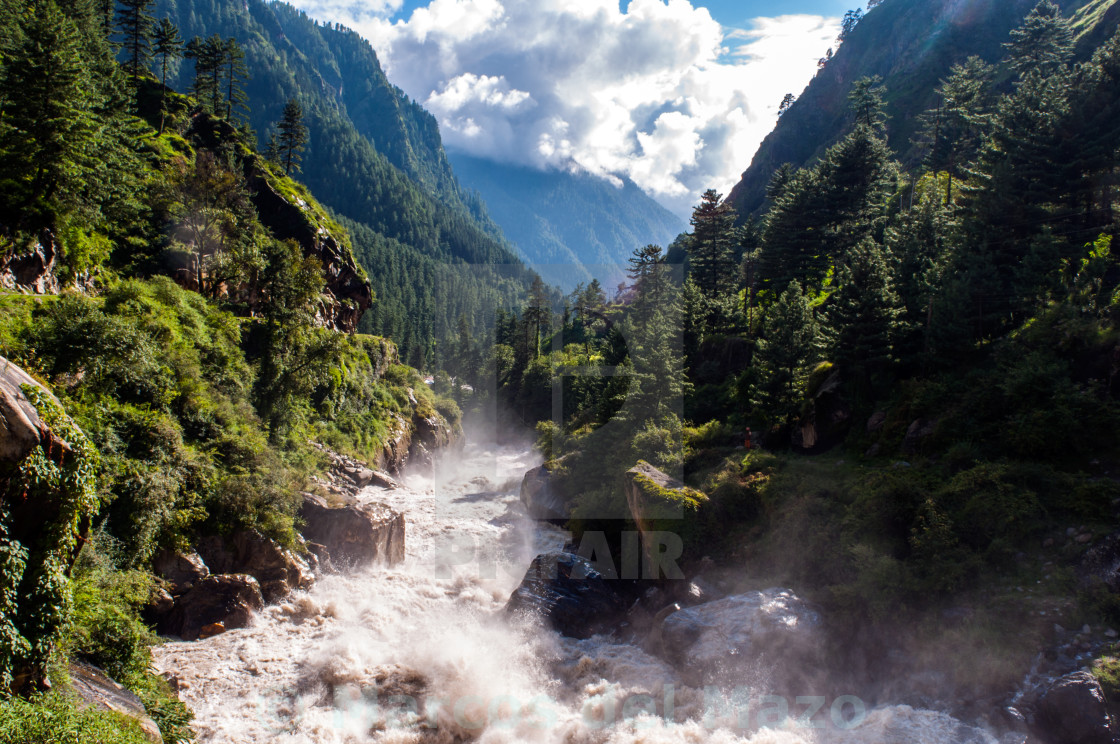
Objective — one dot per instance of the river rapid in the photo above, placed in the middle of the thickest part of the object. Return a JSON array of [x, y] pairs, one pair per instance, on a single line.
[[422, 651]]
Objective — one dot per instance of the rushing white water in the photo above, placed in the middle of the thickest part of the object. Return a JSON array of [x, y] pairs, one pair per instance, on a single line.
[[422, 652]]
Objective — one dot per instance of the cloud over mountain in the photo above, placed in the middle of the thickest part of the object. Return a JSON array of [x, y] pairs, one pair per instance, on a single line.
[[659, 92]]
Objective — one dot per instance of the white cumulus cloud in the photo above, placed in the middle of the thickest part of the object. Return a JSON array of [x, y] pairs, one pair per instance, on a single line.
[[658, 92]]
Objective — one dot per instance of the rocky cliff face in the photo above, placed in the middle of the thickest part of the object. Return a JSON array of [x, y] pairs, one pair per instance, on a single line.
[[347, 293], [32, 268]]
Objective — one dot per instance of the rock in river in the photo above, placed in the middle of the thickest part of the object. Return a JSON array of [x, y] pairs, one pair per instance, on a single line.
[[229, 600], [1073, 711], [569, 594], [355, 534], [770, 636]]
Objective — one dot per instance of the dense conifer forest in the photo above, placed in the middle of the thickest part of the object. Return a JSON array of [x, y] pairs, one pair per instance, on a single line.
[[889, 381]]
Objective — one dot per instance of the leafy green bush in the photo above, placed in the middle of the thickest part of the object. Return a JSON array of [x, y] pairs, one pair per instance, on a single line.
[[105, 628], [58, 718]]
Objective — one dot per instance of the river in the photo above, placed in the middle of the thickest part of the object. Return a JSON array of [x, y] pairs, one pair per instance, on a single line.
[[422, 652]]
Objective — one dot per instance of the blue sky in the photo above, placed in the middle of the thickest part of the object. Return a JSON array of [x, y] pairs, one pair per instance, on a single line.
[[675, 95]]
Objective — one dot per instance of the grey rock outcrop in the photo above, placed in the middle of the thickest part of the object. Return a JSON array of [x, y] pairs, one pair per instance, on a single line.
[[32, 269], [354, 534], [278, 571], [97, 689]]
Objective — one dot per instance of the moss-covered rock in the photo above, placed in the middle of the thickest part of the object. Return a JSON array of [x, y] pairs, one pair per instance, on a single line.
[[48, 496]]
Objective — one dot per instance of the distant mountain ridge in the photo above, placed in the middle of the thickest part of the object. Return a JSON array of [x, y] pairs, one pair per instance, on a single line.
[[911, 45], [570, 227]]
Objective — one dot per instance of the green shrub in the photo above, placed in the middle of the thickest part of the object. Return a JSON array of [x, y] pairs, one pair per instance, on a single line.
[[58, 718], [105, 628]]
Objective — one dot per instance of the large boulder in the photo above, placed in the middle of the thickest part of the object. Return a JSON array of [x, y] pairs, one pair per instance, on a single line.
[[228, 600], [658, 503], [827, 418], [49, 496], [917, 433], [569, 594], [1073, 711], [278, 570], [181, 570], [540, 497], [1101, 563], [770, 636], [354, 534], [97, 690]]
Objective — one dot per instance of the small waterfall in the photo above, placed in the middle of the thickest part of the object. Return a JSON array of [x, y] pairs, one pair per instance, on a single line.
[[421, 652]]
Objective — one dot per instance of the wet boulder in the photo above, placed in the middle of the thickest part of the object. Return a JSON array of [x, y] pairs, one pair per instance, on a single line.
[[540, 496], [568, 593], [771, 635], [227, 599], [1073, 711], [356, 534], [278, 570], [181, 570], [1101, 563]]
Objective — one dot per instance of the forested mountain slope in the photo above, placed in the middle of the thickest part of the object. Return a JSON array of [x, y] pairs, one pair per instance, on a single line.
[[374, 157], [911, 46], [571, 227]]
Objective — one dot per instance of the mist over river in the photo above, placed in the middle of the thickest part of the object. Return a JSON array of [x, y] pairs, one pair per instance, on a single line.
[[422, 652]]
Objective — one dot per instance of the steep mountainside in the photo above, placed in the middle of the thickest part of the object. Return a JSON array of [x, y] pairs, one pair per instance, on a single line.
[[569, 227], [911, 46], [373, 156]]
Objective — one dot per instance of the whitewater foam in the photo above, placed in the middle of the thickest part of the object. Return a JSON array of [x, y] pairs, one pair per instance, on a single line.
[[421, 652]]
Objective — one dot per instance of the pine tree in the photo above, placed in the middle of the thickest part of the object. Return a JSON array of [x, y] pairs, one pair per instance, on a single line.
[[135, 24], [787, 347], [711, 249], [48, 125], [292, 135], [864, 315], [951, 132], [538, 316], [921, 238], [787, 101], [236, 73], [866, 102], [848, 25], [1044, 41], [168, 45], [272, 152], [209, 58], [824, 211], [646, 272], [779, 179]]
